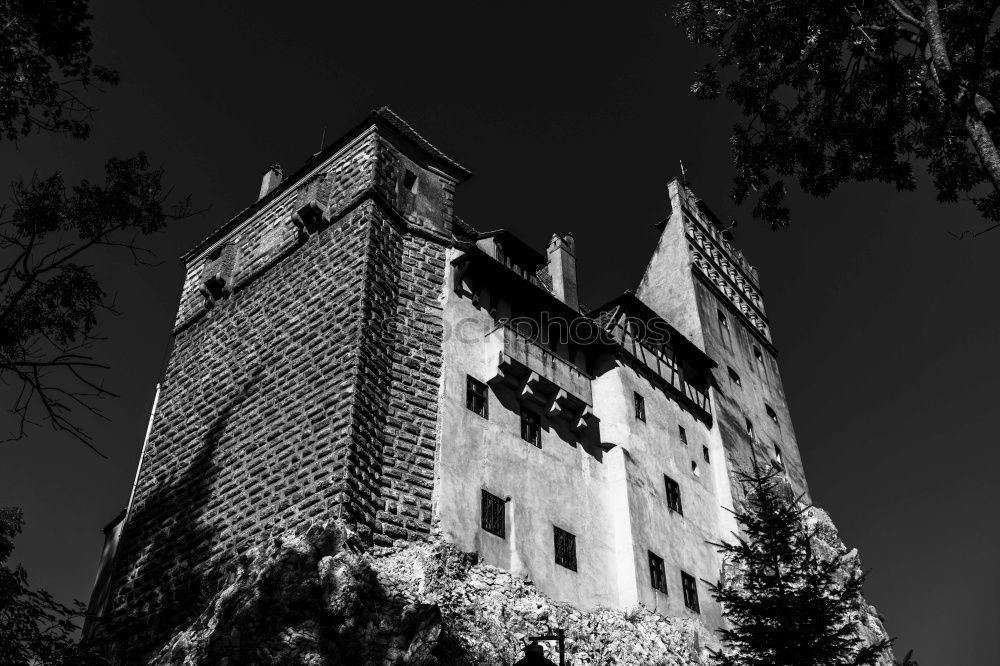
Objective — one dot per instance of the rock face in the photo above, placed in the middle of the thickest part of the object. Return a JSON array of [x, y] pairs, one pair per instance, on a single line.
[[827, 542], [317, 596]]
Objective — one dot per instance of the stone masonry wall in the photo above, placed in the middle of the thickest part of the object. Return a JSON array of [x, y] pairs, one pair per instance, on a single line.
[[309, 393], [269, 233]]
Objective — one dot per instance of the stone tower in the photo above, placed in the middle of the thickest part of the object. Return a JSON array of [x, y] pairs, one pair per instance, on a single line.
[[303, 375], [701, 282], [348, 348]]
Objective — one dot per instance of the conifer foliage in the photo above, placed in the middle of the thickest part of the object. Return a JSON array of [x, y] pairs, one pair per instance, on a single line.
[[785, 603]]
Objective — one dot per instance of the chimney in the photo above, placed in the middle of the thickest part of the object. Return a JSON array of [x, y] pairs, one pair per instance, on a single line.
[[272, 178], [562, 269]]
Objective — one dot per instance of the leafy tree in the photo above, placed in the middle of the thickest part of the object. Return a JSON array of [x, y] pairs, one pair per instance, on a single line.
[[49, 295], [786, 605], [35, 629], [834, 92], [45, 65]]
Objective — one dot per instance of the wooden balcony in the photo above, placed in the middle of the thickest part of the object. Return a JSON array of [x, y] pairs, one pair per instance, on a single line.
[[557, 386]]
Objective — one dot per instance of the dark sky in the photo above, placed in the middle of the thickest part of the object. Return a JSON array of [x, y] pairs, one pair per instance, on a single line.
[[571, 119]]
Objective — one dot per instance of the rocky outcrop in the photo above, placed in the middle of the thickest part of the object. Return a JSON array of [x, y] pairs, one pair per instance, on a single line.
[[317, 596], [827, 544]]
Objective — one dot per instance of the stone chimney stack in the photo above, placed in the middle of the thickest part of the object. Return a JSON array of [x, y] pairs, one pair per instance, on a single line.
[[272, 178], [562, 269]]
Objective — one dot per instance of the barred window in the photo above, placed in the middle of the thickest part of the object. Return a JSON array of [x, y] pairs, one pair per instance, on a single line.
[[531, 427], [565, 547], [690, 588], [683, 434], [494, 518], [476, 397], [673, 495], [640, 406], [657, 573]]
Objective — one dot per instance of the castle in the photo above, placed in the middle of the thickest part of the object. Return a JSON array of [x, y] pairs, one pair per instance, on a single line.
[[348, 347]]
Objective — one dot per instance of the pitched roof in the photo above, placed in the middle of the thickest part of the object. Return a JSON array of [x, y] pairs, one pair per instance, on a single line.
[[404, 128]]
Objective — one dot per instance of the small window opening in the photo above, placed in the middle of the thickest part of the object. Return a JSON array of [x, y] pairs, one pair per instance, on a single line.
[[683, 434], [640, 407], [494, 515], [723, 321], [734, 377], [778, 458], [476, 397], [694, 468], [704, 453], [690, 587], [749, 427], [673, 495], [565, 547], [531, 427], [771, 414], [216, 254], [657, 572], [410, 181]]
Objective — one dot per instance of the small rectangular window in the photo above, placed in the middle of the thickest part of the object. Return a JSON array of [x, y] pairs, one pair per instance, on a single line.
[[657, 573], [733, 377], [494, 518], [475, 397], [749, 427], [690, 587], [673, 495], [565, 547], [410, 181], [683, 434], [531, 427], [704, 453], [640, 407], [724, 332], [694, 468], [771, 414], [778, 458], [759, 358]]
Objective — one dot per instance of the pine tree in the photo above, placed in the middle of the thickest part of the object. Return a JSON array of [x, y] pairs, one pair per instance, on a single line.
[[786, 605]]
